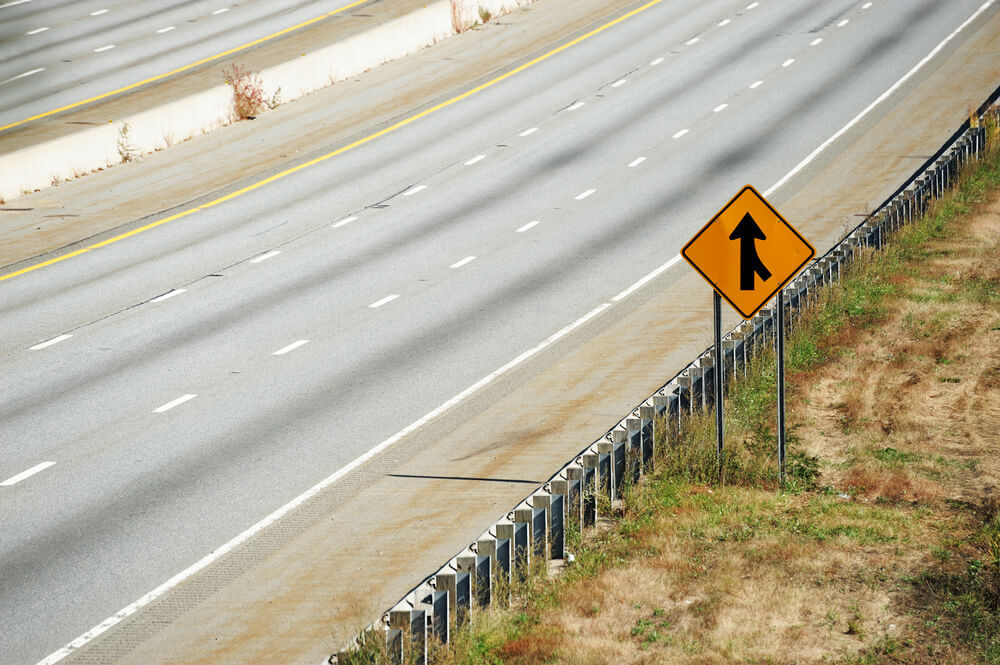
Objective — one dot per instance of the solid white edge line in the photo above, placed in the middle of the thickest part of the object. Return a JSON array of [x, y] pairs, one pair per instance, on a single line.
[[466, 260], [383, 301], [208, 559], [635, 162], [529, 225], [177, 402], [575, 106], [475, 160], [291, 347], [14, 480], [642, 282], [881, 98], [169, 294], [50, 342], [344, 222], [413, 190], [265, 256], [582, 195]]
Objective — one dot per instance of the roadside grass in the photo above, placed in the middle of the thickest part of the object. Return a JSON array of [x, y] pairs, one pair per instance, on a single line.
[[883, 546]]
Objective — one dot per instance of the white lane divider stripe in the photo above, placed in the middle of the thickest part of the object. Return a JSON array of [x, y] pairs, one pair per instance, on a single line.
[[881, 98], [816, 42], [720, 107], [635, 162], [99, 12], [54, 340], [12, 3], [344, 222], [291, 347], [788, 63], [753, 5], [37, 30], [220, 11], [843, 23], [177, 402], [166, 29], [21, 76], [383, 301], [413, 190], [654, 63], [169, 294], [575, 106], [104, 48], [459, 264], [14, 480], [582, 195], [265, 257], [756, 84], [619, 83], [528, 132], [866, 5], [693, 40], [723, 23], [681, 133], [529, 225], [220, 552], [475, 160]]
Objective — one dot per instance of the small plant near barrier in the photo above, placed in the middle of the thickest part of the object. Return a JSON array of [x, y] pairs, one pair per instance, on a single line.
[[484, 14], [248, 91], [126, 150]]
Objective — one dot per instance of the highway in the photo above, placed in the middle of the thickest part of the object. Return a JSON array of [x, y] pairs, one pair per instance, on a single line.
[[170, 389], [54, 53]]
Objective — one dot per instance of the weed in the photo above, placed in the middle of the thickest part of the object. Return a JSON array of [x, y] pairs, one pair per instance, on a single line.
[[126, 150], [484, 14], [248, 91]]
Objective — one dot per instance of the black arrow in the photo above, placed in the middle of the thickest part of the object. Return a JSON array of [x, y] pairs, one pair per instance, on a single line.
[[746, 232]]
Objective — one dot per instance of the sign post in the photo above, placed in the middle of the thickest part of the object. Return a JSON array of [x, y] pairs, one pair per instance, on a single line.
[[720, 453], [748, 253]]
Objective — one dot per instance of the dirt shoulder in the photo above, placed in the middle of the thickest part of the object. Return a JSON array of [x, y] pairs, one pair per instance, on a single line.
[[885, 545]]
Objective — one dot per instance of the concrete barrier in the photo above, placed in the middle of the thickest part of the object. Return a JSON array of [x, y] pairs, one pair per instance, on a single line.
[[144, 131]]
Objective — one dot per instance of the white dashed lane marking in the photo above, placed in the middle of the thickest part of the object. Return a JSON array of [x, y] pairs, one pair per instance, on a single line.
[[656, 62], [756, 84], [99, 12], [101, 49], [383, 301], [619, 82], [582, 195], [475, 160], [414, 190], [720, 107], [529, 225], [220, 11], [575, 106], [37, 30], [788, 63], [816, 41], [528, 132], [47, 343], [466, 260], [291, 347], [723, 23], [843, 23], [168, 295], [166, 29], [21, 76], [681, 133], [177, 402], [693, 40], [344, 222], [635, 162], [13, 480], [265, 257]]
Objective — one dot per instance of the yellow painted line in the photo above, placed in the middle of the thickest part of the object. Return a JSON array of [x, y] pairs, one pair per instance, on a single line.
[[343, 149], [185, 67]]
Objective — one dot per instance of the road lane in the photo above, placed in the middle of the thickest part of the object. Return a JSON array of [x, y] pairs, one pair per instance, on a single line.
[[79, 402]]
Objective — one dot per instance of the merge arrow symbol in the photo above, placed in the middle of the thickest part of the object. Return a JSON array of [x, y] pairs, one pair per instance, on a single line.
[[747, 232]]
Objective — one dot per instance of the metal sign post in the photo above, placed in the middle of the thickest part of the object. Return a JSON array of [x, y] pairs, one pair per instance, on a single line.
[[781, 386], [720, 454], [748, 253]]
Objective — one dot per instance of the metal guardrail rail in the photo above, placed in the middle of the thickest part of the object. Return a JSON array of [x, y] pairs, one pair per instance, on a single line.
[[482, 574]]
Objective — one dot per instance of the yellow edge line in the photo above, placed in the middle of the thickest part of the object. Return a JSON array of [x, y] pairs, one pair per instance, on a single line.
[[341, 150], [185, 67]]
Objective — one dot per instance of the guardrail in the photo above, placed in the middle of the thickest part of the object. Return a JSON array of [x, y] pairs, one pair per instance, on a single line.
[[534, 532]]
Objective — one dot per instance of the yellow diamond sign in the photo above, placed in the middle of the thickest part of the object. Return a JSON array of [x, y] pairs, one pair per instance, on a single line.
[[748, 252]]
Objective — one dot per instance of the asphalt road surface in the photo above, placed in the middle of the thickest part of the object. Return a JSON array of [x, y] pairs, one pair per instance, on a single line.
[[58, 52], [163, 393]]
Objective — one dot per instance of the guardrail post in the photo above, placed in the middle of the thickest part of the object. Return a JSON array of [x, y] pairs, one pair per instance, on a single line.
[[465, 582], [394, 645], [618, 462], [647, 416], [522, 542], [633, 427], [574, 497], [446, 581], [605, 469], [684, 393], [540, 525], [697, 388], [413, 625], [589, 490], [557, 519], [708, 372], [505, 558], [436, 606], [484, 580]]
